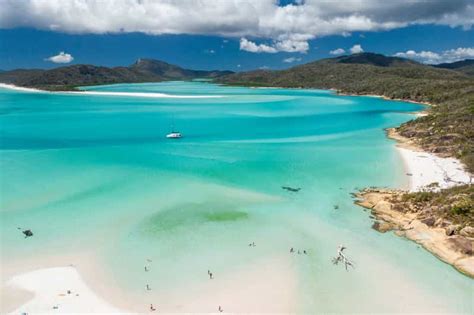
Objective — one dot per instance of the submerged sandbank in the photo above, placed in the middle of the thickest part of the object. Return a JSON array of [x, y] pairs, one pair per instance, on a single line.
[[97, 93], [139, 94]]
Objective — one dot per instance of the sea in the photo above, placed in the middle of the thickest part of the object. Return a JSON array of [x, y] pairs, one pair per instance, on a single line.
[[146, 219]]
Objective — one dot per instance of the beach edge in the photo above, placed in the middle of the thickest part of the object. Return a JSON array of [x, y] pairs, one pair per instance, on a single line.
[[449, 248]]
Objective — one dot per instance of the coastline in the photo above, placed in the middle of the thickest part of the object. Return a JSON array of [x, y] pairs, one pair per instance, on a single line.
[[446, 241], [19, 88], [339, 92], [453, 249], [96, 93], [424, 168]]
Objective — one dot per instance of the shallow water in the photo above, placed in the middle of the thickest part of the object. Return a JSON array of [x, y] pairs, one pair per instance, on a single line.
[[96, 174]]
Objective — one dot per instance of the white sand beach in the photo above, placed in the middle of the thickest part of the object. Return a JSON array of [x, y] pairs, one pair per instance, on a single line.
[[98, 93], [18, 88], [58, 290], [62, 290], [424, 168]]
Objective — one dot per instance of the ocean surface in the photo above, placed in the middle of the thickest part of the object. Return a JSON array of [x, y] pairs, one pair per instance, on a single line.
[[101, 187]]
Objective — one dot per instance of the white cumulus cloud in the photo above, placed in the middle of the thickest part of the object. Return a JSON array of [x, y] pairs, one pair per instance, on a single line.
[[356, 49], [62, 57], [431, 57], [252, 47], [284, 44], [338, 51], [289, 27]]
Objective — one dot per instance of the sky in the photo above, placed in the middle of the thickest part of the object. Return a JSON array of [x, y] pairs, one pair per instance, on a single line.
[[236, 35]]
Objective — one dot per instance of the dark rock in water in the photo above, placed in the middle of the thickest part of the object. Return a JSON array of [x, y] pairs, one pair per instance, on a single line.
[[27, 233], [291, 188]]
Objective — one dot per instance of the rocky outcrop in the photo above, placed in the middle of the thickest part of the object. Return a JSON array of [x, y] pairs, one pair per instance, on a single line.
[[450, 243]]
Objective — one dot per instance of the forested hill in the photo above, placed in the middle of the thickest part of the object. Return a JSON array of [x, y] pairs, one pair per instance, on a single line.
[[465, 66], [66, 78], [364, 73], [448, 130]]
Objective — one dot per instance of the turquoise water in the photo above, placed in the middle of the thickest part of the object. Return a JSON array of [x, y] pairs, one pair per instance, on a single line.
[[95, 174]]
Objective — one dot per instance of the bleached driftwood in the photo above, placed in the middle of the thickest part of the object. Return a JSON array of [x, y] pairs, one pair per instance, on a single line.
[[341, 258]]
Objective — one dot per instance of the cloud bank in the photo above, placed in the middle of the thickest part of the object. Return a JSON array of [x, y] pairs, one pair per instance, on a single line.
[[62, 57], [430, 57], [286, 28]]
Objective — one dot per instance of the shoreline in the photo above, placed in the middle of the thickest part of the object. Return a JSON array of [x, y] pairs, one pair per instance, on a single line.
[[440, 238], [155, 95], [339, 92], [453, 249], [96, 93], [20, 88], [424, 168]]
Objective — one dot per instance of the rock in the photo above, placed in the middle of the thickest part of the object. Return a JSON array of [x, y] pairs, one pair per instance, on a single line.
[[467, 231], [400, 233], [382, 226], [430, 221], [451, 230], [462, 245]]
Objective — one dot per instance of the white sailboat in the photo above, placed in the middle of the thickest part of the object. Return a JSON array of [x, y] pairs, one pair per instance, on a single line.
[[173, 134]]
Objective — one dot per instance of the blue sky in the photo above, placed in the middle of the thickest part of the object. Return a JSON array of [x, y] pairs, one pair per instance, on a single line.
[[233, 44]]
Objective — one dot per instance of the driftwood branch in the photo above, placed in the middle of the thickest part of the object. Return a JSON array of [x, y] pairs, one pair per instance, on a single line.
[[341, 258]]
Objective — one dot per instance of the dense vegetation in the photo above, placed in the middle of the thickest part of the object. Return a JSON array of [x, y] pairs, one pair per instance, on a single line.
[[66, 78], [447, 130], [454, 205], [465, 66]]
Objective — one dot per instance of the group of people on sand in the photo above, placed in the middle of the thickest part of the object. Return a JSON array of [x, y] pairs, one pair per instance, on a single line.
[[209, 273], [292, 250], [148, 288]]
